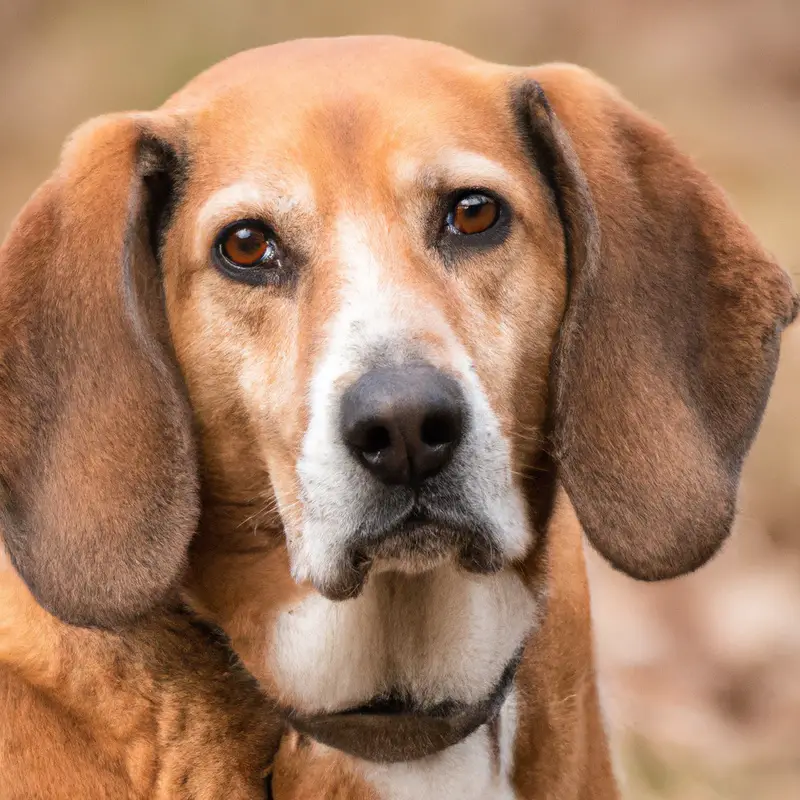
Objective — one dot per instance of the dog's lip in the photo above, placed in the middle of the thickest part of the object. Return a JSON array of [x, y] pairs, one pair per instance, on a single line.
[[417, 519], [417, 516], [391, 729], [416, 538], [404, 540]]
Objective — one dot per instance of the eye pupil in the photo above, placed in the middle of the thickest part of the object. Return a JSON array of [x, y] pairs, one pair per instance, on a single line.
[[248, 240], [473, 214]]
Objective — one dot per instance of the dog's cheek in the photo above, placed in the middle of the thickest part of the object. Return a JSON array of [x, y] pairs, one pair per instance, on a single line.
[[509, 345], [533, 321], [271, 391]]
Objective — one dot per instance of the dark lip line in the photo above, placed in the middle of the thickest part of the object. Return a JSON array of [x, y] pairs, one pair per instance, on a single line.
[[469, 540], [458, 537], [416, 517]]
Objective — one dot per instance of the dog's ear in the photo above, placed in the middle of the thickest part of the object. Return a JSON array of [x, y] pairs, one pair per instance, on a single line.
[[98, 495], [670, 338]]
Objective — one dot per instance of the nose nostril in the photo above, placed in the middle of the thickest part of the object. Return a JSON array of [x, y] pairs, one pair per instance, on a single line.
[[376, 438], [403, 424], [438, 430]]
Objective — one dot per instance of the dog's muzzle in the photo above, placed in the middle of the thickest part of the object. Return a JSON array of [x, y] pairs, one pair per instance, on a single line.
[[404, 425], [403, 471]]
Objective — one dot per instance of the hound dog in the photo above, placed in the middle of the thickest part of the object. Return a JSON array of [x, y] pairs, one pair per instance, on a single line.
[[339, 353]]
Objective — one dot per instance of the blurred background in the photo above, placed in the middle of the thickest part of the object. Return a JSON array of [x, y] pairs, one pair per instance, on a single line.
[[701, 675]]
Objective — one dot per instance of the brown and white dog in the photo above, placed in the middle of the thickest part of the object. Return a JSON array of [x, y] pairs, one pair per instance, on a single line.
[[328, 349]]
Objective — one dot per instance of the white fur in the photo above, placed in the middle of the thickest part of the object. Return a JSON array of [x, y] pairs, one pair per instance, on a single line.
[[465, 771], [378, 313], [440, 635], [458, 168], [246, 199]]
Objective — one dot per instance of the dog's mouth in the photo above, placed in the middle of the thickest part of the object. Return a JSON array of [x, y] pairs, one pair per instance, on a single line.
[[413, 543], [420, 539], [391, 729]]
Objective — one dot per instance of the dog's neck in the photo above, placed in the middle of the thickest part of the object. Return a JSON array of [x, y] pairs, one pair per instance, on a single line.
[[547, 741], [480, 766], [389, 731]]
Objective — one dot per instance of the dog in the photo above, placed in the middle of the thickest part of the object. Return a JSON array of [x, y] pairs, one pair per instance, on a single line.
[[312, 382]]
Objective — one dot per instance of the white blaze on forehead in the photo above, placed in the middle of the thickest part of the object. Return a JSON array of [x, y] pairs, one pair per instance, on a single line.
[[266, 200], [376, 303], [378, 308]]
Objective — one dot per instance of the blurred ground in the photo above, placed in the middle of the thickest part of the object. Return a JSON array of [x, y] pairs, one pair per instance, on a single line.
[[702, 675]]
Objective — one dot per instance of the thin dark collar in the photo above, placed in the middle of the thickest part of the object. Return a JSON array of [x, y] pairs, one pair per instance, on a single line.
[[378, 733]]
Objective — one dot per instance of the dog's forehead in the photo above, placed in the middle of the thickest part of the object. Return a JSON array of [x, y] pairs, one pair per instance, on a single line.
[[319, 67], [368, 97]]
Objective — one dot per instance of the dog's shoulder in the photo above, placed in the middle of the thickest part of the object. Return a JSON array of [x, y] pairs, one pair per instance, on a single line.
[[161, 708]]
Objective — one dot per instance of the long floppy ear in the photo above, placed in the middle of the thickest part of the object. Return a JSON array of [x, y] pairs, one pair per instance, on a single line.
[[97, 473], [670, 339]]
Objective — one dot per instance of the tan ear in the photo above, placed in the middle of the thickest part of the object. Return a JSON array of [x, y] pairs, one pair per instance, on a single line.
[[97, 473], [670, 339]]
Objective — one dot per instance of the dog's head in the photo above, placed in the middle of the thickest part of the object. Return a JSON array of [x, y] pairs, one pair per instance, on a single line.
[[402, 293]]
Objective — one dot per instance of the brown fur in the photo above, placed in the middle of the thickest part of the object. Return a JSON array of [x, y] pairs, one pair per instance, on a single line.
[[636, 378], [160, 709], [88, 490]]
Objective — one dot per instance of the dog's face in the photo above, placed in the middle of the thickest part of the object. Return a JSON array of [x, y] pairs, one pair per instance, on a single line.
[[381, 351], [405, 293], [363, 290]]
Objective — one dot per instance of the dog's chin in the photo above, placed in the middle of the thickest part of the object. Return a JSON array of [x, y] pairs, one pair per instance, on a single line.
[[413, 546]]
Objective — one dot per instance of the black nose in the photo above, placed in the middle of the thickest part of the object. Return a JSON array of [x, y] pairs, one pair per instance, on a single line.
[[403, 423]]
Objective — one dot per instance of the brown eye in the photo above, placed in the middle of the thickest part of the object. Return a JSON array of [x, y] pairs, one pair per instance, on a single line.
[[473, 213], [246, 245]]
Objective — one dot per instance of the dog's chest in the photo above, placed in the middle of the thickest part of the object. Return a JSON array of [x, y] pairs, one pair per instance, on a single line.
[[480, 767], [438, 637]]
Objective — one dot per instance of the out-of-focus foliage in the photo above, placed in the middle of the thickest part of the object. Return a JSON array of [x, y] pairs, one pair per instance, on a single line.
[[701, 675]]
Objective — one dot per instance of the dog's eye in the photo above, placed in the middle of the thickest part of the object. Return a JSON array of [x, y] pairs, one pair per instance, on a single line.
[[473, 213], [247, 245]]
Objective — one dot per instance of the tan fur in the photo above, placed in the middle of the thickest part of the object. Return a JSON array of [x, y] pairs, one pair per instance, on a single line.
[[157, 710], [101, 485]]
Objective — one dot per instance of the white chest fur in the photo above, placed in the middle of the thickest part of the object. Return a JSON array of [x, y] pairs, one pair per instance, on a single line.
[[436, 636], [471, 770]]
